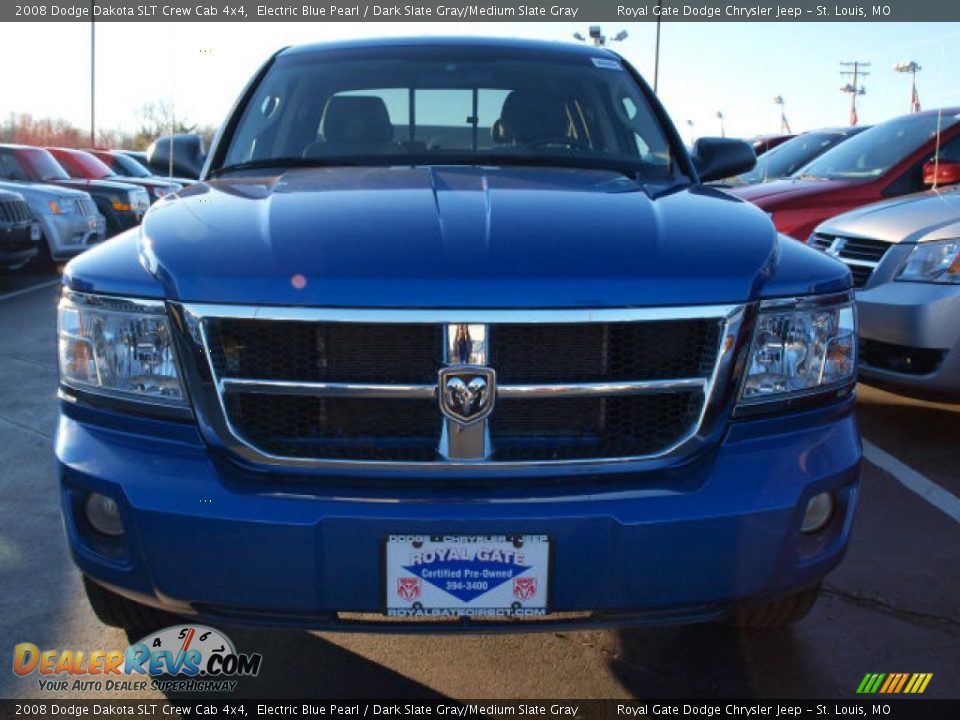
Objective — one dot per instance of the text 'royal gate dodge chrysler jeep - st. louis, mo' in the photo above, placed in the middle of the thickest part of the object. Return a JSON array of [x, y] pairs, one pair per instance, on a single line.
[[450, 335]]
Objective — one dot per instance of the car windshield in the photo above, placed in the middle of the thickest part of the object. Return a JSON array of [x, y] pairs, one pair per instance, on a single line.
[[443, 105], [789, 157], [33, 164], [127, 166], [873, 152], [83, 165]]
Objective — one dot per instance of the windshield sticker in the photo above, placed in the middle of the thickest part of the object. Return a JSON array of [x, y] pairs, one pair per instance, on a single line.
[[605, 63]]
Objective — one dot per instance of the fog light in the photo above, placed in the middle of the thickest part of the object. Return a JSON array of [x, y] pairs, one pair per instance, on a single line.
[[818, 513], [103, 515]]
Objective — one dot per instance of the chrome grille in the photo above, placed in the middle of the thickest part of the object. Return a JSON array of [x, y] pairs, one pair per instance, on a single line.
[[14, 211], [86, 206], [861, 255], [302, 386]]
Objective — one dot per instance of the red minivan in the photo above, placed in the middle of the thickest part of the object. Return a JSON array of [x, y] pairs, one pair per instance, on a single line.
[[890, 159]]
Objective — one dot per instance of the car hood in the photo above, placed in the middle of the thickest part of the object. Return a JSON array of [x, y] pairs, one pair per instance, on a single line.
[[146, 182], [29, 190], [92, 186], [922, 217], [776, 193], [456, 237]]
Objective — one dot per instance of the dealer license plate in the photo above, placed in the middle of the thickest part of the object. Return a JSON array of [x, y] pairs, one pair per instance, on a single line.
[[488, 576]]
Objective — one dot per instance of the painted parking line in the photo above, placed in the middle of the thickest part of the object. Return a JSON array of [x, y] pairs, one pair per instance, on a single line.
[[24, 291], [937, 496]]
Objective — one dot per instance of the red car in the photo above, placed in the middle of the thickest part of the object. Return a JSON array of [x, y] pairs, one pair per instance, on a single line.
[[890, 159], [762, 143], [81, 164]]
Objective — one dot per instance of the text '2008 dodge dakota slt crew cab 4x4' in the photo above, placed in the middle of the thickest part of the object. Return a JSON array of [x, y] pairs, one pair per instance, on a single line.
[[450, 335]]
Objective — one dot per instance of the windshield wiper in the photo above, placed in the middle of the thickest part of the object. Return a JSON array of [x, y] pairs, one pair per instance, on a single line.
[[280, 162], [630, 169]]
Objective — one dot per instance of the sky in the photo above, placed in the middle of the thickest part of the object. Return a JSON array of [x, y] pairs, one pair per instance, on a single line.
[[705, 68]]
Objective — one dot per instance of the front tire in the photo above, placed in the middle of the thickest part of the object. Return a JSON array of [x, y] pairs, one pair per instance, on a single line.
[[777, 613], [117, 611]]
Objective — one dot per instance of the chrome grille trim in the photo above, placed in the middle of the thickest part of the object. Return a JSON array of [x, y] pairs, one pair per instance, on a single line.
[[327, 389], [210, 395], [851, 250], [456, 317]]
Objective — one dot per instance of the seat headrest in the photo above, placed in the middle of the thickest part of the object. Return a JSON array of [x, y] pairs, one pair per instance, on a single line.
[[532, 115], [356, 119]]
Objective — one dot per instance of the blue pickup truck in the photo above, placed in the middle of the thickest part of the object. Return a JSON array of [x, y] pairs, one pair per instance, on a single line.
[[451, 335]]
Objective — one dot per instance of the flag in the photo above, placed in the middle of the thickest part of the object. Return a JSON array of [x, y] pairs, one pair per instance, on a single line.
[[915, 101]]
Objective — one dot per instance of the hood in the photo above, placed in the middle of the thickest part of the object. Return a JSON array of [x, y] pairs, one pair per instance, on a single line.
[[922, 217], [93, 186], [458, 236], [779, 192], [29, 190], [146, 182], [164, 180]]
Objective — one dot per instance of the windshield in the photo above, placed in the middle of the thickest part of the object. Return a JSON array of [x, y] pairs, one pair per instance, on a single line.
[[127, 166], [871, 153], [402, 105], [789, 157], [83, 165], [33, 164]]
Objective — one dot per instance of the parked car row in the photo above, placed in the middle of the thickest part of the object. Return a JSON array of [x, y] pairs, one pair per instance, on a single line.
[[885, 201], [73, 200]]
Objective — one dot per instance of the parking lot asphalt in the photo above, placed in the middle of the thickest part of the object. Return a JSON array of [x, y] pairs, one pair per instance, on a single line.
[[890, 607]]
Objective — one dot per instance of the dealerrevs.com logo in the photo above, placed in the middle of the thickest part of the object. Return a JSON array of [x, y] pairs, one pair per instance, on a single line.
[[180, 658]]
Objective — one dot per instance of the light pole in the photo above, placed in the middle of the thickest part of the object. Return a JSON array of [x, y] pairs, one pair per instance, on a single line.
[[690, 125], [854, 87], [599, 39], [784, 125], [723, 130], [909, 66]]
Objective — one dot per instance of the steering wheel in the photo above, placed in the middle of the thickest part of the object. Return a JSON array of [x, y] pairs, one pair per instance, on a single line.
[[559, 140]]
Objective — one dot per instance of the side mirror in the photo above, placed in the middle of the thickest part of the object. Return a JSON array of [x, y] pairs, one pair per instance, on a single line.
[[943, 172], [187, 151], [718, 158]]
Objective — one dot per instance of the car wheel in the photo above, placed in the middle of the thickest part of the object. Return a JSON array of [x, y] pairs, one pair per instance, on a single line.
[[777, 613], [117, 611]]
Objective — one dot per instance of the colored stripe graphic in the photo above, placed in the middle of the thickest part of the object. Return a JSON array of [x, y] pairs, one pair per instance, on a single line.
[[894, 683]]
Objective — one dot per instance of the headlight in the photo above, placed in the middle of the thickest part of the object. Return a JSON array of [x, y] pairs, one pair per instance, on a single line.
[[799, 346], [118, 347], [121, 204], [933, 262], [159, 191], [61, 206]]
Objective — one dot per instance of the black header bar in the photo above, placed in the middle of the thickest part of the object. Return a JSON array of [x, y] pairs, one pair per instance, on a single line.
[[622, 11]]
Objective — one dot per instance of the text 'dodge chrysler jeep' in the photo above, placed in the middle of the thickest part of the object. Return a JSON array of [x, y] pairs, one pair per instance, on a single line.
[[450, 335]]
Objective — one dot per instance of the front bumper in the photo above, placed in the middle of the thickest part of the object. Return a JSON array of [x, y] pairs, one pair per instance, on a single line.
[[905, 320], [18, 244], [70, 234], [210, 538]]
